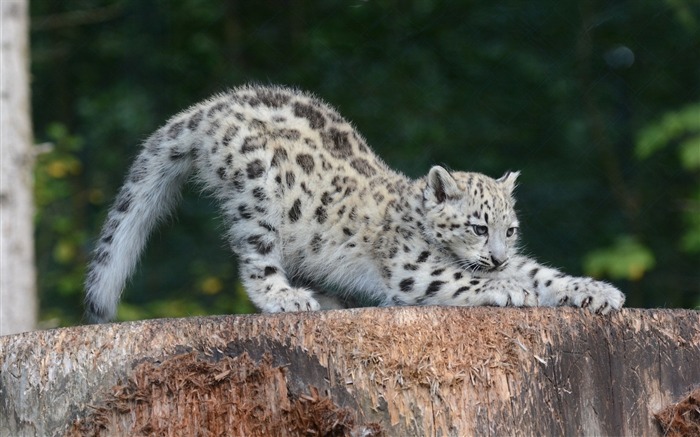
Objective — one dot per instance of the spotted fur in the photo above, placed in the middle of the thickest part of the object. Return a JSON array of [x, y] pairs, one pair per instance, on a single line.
[[308, 206]]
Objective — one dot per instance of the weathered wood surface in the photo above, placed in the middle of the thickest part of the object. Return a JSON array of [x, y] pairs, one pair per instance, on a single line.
[[412, 370]]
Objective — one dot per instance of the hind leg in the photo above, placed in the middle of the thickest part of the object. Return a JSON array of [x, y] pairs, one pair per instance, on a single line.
[[268, 286], [261, 271]]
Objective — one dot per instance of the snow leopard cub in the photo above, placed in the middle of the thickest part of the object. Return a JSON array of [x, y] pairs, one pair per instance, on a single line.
[[307, 205]]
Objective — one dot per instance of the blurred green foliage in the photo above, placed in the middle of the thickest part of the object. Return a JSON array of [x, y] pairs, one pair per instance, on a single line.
[[681, 129], [60, 229], [625, 259], [596, 102]]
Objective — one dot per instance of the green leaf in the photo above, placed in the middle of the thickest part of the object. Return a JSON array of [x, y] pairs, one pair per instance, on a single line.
[[627, 258], [674, 126], [690, 153], [690, 242]]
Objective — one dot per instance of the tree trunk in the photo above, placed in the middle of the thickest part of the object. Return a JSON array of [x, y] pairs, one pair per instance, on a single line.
[[17, 275], [401, 371]]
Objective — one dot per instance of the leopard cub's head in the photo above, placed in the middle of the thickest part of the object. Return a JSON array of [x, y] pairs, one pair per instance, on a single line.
[[472, 217]]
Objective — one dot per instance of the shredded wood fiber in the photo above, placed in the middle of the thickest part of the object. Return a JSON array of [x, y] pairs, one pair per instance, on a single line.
[[473, 346], [193, 395], [681, 419]]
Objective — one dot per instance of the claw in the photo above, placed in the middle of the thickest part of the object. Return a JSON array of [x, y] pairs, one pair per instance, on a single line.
[[602, 308], [586, 302]]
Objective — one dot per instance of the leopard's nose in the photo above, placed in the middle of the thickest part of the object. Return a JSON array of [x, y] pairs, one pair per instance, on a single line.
[[497, 261]]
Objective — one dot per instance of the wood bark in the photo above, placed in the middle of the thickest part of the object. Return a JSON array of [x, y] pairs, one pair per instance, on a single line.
[[17, 272], [397, 371]]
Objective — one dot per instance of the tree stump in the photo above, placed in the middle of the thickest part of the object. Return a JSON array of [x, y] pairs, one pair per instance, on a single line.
[[375, 371]]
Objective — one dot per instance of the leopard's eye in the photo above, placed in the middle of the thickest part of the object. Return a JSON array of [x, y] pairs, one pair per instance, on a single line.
[[480, 229], [511, 231]]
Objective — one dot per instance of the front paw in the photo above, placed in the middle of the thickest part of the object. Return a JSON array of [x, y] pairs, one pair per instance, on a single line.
[[290, 300], [520, 297], [598, 296]]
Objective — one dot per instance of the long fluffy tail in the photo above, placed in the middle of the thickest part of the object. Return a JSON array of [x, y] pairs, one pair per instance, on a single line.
[[150, 192]]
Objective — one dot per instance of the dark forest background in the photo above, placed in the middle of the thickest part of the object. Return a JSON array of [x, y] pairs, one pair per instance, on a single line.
[[597, 102]]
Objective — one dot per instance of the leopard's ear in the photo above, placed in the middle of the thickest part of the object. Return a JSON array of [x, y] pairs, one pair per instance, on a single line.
[[508, 180], [441, 185]]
